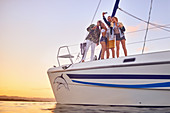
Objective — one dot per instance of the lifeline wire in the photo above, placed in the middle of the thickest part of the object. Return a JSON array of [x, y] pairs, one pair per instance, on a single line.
[[149, 28]]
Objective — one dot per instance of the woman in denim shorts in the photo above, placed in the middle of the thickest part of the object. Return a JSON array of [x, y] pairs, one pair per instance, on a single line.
[[103, 40], [119, 32]]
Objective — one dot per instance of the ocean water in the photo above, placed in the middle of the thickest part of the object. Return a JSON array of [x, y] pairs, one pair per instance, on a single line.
[[52, 107]]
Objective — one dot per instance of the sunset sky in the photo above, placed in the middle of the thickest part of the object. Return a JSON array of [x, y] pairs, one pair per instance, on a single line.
[[31, 31]]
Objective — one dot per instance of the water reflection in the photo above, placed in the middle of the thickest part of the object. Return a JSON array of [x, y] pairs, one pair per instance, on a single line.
[[26, 107], [107, 109], [52, 107]]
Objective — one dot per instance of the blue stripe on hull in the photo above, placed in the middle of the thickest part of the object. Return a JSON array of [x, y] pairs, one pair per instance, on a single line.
[[117, 76], [154, 85]]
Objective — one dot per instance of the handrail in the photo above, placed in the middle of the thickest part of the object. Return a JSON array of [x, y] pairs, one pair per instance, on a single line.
[[68, 56]]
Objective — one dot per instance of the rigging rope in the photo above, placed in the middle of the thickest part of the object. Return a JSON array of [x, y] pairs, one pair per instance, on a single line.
[[149, 40], [156, 25], [96, 11], [147, 26]]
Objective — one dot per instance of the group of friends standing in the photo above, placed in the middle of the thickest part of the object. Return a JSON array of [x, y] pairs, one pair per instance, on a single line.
[[113, 33]]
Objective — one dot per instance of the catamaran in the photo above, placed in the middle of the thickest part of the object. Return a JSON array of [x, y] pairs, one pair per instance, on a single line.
[[134, 80]]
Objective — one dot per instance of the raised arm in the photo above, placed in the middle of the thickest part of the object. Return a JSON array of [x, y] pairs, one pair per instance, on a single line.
[[105, 20]]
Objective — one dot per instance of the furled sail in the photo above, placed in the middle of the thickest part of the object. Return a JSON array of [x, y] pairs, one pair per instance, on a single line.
[[115, 8]]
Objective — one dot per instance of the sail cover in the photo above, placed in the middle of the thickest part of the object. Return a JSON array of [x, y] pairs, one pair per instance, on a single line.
[[115, 8]]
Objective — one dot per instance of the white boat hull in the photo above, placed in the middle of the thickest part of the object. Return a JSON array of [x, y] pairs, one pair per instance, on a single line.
[[142, 80]]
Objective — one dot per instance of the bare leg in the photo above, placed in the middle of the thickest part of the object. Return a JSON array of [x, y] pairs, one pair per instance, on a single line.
[[117, 48], [107, 49], [113, 52], [107, 53], [103, 44], [124, 47]]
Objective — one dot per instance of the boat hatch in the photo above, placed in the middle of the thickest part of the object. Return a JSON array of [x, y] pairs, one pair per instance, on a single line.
[[129, 60]]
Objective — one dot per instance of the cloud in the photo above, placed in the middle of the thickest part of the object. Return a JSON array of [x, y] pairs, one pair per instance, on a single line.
[[136, 31], [132, 28], [135, 28]]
